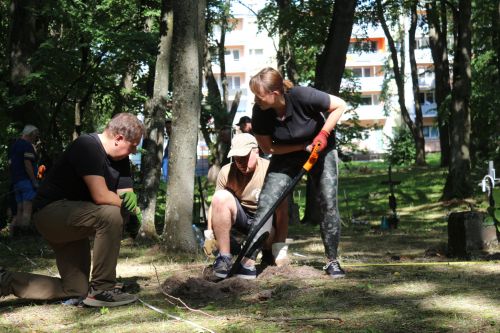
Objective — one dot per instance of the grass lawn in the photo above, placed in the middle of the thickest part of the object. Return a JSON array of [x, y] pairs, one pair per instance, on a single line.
[[397, 280]]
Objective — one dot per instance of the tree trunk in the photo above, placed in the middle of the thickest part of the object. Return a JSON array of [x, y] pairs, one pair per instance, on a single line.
[[26, 32], [438, 32], [285, 55], [419, 122], [329, 70], [178, 233], [154, 119], [331, 63], [398, 72], [458, 183]]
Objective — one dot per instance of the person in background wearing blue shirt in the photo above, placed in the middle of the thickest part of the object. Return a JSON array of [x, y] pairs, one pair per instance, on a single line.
[[23, 171]]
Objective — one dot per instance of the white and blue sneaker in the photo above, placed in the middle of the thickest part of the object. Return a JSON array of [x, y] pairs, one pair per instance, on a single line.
[[222, 265], [334, 270]]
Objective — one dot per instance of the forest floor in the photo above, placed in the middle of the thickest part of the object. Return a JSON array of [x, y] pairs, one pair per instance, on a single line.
[[397, 280]]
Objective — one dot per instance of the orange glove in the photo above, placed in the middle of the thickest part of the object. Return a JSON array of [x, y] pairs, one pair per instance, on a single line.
[[322, 139]]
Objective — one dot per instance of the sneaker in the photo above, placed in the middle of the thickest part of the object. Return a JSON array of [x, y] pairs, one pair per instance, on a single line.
[[109, 298], [334, 270], [247, 273], [222, 266]]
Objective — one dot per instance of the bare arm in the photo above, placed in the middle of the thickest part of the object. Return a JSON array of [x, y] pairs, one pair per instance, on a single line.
[[266, 144], [336, 110], [100, 193]]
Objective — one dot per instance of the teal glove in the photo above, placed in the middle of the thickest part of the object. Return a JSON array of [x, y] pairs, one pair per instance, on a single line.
[[129, 202]]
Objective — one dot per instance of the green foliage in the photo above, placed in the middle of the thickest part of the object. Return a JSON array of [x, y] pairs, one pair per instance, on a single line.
[[485, 100], [306, 22], [89, 48], [401, 147]]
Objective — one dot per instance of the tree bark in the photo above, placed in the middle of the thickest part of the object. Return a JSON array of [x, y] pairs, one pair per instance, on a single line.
[[26, 32], [398, 72], [285, 55], [178, 233], [458, 183], [331, 63], [438, 32], [154, 119], [419, 134], [329, 70]]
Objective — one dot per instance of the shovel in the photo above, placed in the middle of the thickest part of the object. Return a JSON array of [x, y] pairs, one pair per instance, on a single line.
[[250, 244]]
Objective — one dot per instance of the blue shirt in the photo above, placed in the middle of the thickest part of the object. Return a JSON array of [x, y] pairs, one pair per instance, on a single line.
[[21, 150]]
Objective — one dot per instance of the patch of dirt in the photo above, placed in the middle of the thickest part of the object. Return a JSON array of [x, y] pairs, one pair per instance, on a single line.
[[290, 272], [206, 288]]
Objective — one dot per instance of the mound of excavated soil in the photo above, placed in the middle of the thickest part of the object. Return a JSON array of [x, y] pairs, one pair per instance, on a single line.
[[201, 289], [205, 288]]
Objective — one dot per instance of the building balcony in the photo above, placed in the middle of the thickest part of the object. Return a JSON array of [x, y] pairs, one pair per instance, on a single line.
[[373, 83], [427, 82], [423, 56], [367, 112], [366, 59]]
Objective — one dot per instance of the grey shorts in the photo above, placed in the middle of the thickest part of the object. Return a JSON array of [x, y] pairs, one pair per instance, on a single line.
[[244, 219]]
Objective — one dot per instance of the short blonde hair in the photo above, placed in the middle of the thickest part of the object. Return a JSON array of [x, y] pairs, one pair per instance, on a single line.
[[127, 125]]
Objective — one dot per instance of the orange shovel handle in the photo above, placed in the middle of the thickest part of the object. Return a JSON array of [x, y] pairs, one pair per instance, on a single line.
[[312, 158]]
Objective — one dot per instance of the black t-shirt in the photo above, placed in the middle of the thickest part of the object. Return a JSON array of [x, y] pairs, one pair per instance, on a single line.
[[303, 121], [85, 156]]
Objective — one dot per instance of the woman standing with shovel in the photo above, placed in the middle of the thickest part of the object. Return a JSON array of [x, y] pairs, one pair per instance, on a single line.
[[287, 122]]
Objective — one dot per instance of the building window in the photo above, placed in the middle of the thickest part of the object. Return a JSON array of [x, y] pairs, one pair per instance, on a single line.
[[363, 71], [422, 42], [233, 82], [369, 46], [430, 132], [372, 99], [235, 54], [256, 52], [426, 97]]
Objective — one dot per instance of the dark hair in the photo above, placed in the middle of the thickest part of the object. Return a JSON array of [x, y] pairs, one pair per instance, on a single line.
[[270, 80], [127, 125], [244, 120]]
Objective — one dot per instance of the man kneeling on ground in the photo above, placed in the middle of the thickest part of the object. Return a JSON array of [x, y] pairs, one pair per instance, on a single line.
[[87, 193], [234, 204]]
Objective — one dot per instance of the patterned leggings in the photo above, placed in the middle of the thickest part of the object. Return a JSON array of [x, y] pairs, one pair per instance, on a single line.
[[324, 175]]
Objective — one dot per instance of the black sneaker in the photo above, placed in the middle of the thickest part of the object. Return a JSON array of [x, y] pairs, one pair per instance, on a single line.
[[334, 270], [246, 273], [222, 266], [109, 298]]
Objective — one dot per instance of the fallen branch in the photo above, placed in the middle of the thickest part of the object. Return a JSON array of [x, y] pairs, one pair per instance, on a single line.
[[154, 308], [178, 299]]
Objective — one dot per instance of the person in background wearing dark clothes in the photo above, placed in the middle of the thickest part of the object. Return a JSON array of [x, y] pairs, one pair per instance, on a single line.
[[88, 192], [23, 172], [245, 124], [287, 122]]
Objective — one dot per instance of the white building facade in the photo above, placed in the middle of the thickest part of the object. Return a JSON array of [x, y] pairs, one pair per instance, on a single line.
[[369, 66], [248, 51]]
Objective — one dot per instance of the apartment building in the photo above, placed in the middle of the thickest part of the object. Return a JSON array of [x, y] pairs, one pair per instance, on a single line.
[[368, 59], [247, 51]]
